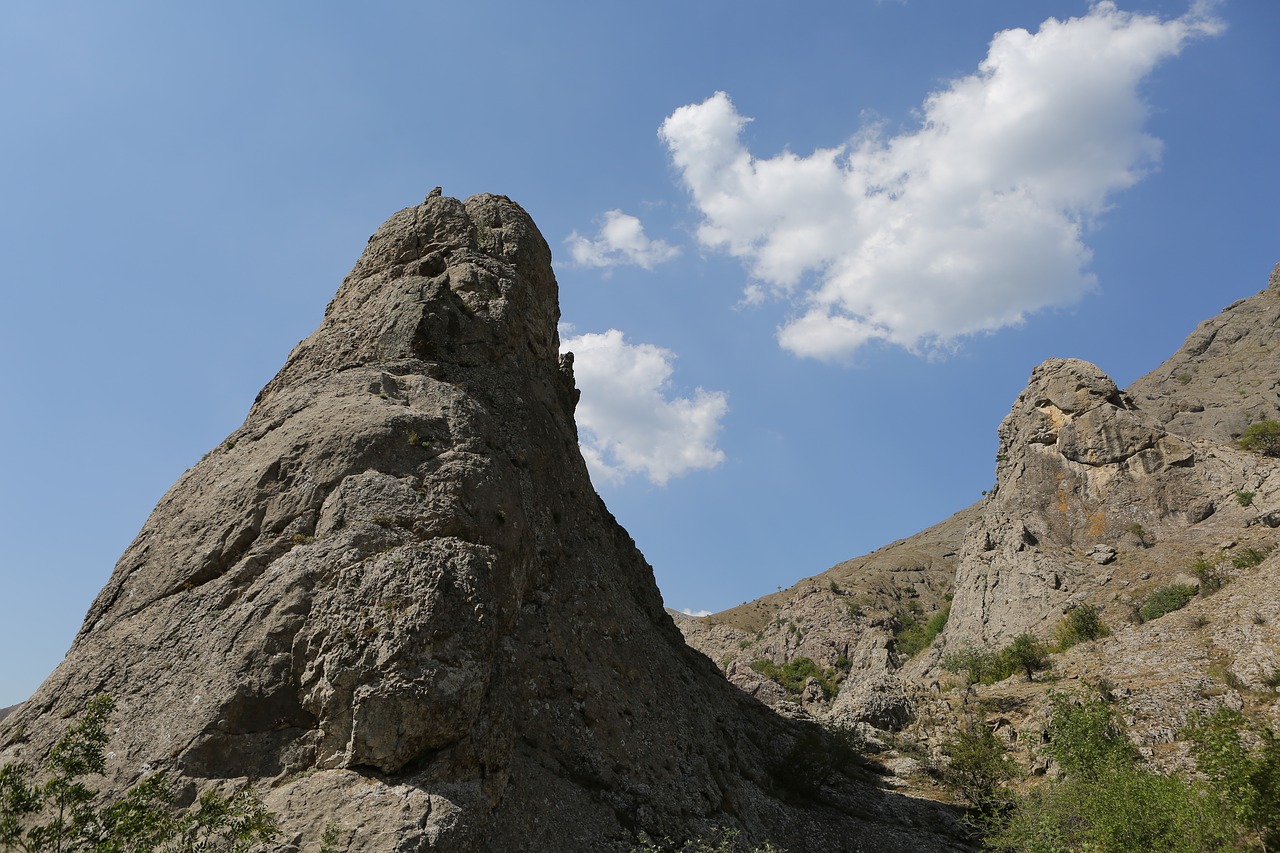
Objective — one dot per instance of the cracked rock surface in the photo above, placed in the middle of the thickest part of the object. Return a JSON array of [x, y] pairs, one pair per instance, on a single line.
[[393, 599]]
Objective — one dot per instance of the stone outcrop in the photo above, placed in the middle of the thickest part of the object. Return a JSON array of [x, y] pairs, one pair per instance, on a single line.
[[1103, 496], [1225, 376], [393, 599], [1078, 466]]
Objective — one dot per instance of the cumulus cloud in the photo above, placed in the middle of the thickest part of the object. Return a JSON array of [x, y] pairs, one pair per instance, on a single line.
[[965, 224], [621, 240], [627, 421]]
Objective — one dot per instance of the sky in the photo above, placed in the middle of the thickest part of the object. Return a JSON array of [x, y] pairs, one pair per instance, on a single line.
[[808, 255]]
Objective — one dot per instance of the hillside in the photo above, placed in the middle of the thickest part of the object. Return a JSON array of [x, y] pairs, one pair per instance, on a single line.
[[1103, 498]]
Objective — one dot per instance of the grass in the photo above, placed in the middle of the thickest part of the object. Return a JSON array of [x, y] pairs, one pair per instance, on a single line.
[[1247, 558]]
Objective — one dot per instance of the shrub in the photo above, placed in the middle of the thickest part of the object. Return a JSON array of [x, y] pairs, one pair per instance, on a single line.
[[978, 767], [914, 636], [813, 756], [1247, 781], [1164, 600], [1262, 437], [1080, 624], [60, 814], [1247, 558], [794, 674], [1025, 653], [1107, 801], [1244, 498], [1125, 809], [975, 665], [1085, 734], [1209, 574], [1139, 532]]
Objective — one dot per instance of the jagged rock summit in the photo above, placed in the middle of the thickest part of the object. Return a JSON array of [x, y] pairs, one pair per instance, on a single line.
[[394, 600]]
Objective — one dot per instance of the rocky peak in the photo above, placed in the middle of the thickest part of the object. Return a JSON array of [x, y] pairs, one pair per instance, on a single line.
[[393, 599], [1079, 465], [1225, 376]]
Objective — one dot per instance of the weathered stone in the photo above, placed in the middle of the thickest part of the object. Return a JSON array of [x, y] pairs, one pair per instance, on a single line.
[[1101, 554], [394, 598]]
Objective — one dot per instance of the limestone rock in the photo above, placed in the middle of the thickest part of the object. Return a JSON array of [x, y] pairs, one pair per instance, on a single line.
[[1101, 554], [1079, 463], [393, 598], [1225, 376]]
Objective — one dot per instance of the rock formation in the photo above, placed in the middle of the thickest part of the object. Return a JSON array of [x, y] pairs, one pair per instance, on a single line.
[[393, 599], [1225, 376], [1103, 496], [1078, 465]]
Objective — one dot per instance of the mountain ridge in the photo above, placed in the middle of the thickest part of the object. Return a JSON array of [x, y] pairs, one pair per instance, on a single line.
[[1103, 496]]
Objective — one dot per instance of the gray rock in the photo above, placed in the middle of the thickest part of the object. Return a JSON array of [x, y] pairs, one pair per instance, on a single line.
[[1079, 462], [393, 597], [1101, 554], [1224, 376]]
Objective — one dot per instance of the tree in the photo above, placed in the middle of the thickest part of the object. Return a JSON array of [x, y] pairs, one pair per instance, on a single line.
[[1026, 653], [1262, 437], [978, 767]]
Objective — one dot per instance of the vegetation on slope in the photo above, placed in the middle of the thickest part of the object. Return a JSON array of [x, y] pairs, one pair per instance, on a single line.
[[51, 808], [1106, 800]]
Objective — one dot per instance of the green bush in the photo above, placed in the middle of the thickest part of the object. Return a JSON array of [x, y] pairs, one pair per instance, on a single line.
[[1080, 624], [1164, 600], [1209, 574], [978, 767], [1107, 802], [50, 808], [1026, 654], [793, 675], [1244, 498], [1262, 437], [1247, 558], [915, 636], [1122, 810], [1085, 735], [975, 665], [1140, 533], [1246, 781]]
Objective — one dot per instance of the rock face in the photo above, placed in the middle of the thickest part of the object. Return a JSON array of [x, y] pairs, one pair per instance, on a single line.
[[1078, 466], [1225, 376], [394, 599], [1087, 473]]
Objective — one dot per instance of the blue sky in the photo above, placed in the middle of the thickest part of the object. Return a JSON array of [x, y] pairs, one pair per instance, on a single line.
[[826, 247]]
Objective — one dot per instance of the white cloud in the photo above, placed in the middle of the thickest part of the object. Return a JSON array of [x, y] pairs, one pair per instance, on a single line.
[[621, 241], [696, 613], [627, 423], [963, 225]]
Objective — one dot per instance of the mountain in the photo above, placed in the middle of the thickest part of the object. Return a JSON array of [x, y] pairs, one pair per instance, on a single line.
[[1104, 498], [393, 601]]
